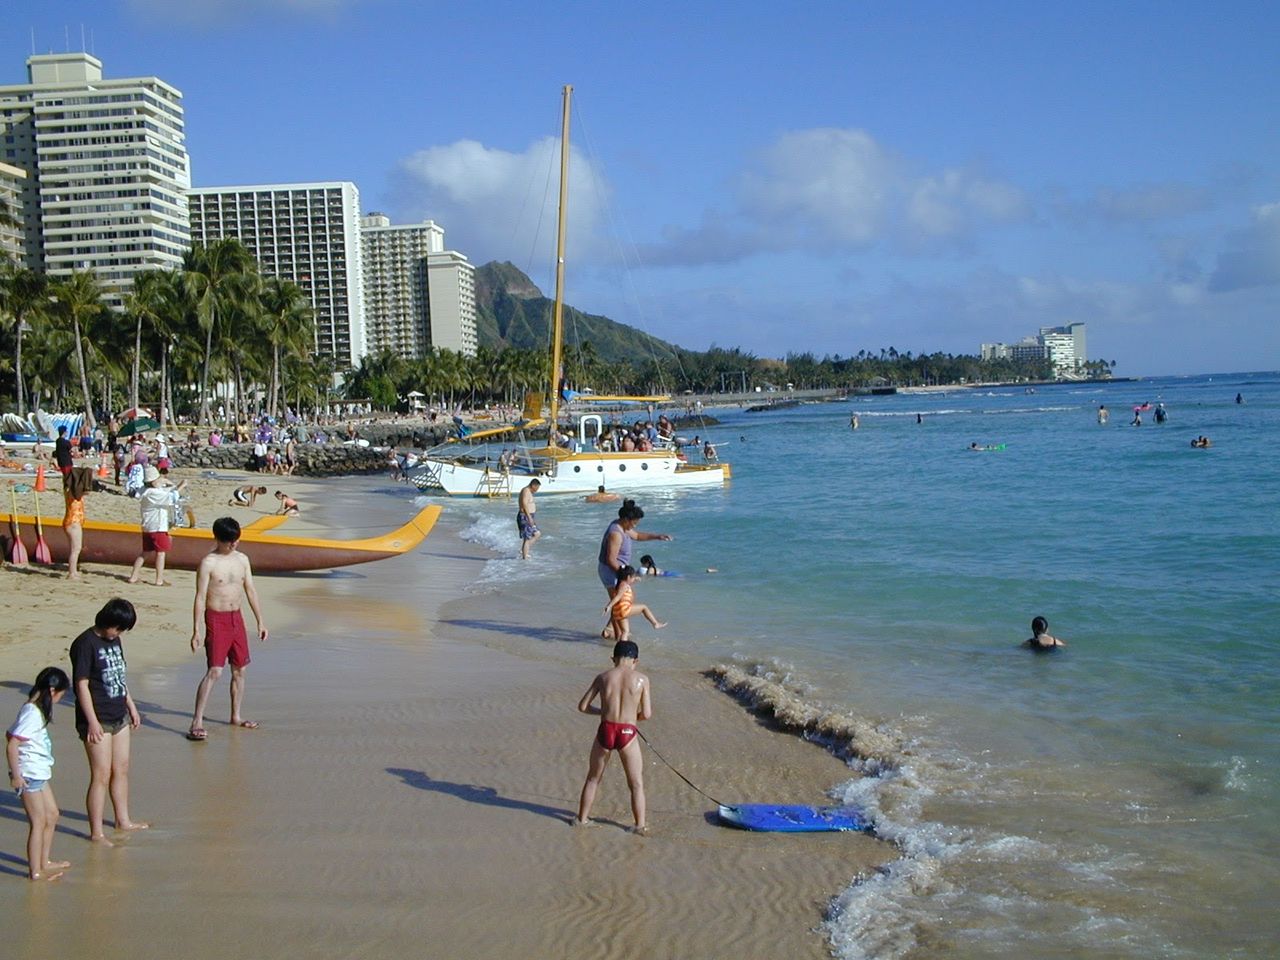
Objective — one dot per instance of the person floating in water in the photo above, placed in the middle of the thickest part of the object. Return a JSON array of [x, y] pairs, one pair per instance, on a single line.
[[1202, 441], [648, 568], [1040, 639]]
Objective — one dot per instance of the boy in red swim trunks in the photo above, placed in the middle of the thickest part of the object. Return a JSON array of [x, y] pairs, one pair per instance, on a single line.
[[624, 701], [224, 577]]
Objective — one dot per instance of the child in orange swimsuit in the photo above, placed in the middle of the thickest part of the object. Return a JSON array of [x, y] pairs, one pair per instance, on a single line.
[[623, 605], [74, 488]]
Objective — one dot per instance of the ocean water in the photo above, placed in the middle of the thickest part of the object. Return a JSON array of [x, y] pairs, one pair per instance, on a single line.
[[1117, 798]]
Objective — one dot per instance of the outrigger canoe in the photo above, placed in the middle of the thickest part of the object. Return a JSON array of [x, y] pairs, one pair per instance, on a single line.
[[118, 543]]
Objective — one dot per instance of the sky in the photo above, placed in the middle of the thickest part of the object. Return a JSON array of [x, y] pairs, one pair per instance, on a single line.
[[825, 177]]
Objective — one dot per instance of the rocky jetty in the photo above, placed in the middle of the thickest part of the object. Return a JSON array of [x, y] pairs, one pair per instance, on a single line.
[[314, 460]]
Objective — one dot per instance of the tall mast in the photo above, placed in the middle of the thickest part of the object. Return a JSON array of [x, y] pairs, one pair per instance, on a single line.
[[557, 325]]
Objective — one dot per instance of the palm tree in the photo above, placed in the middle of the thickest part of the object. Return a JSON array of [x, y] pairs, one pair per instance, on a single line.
[[75, 302], [23, 296], [290, 329], [150, 299], [216, 278]]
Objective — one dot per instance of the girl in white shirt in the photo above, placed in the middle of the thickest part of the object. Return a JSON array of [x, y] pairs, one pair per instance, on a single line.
[[30, 754]]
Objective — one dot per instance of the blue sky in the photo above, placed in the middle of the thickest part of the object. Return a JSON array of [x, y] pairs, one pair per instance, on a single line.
[[822, 176]]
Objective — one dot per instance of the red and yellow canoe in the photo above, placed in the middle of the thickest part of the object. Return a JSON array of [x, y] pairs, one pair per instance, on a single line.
[[119, 543]]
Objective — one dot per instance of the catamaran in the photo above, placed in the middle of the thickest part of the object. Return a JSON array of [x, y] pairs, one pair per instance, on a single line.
[[488, 463]]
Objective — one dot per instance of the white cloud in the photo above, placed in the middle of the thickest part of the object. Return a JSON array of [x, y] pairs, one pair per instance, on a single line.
[[832, 190], [494, 204], [221, 12], [1150, 203], [1252, 257]]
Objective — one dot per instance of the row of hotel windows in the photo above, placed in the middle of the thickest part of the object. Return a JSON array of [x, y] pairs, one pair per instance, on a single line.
[[142, 109], [148, 96]]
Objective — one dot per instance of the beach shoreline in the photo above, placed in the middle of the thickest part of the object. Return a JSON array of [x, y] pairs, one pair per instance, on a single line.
[[418, 763]]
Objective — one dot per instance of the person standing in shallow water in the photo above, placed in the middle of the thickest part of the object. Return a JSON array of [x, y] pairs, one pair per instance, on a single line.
[[615, 550], [527, 518]]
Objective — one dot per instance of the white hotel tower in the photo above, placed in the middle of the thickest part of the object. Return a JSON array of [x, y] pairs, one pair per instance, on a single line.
[[308, 233], [419, 296], [106, 170]]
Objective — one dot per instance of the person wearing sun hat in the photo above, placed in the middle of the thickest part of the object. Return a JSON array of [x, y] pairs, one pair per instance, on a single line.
[[158, 503]]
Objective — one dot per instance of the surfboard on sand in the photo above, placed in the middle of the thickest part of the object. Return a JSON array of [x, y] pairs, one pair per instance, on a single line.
[[792, 818]]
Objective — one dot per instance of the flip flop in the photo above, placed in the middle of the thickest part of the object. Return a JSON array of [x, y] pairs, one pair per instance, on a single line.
[[248, 724], [198, 735]]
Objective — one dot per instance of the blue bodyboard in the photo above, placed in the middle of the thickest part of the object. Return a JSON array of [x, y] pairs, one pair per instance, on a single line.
[[792, 818]]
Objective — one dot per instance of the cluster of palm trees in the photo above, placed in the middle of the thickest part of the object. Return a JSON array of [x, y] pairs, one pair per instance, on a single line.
[[215, 321], [218, 324]]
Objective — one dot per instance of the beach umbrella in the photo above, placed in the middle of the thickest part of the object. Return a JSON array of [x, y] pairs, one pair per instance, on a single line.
[[139, 425]]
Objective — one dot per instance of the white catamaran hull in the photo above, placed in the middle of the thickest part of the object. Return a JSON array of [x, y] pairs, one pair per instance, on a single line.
[[579, 473]]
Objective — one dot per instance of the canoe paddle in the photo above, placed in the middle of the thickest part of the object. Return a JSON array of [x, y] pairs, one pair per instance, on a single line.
[[42, 553], [17, 552]]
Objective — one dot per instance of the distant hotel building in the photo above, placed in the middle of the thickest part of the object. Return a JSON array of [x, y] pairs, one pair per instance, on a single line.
[[308, 233], [1064, 347], [106, 170], [12, 180], [418, 295]]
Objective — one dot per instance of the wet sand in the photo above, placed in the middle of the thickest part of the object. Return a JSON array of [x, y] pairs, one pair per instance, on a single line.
[[410, 790]]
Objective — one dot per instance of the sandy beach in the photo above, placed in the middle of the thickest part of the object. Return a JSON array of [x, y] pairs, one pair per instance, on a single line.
[[411, 788]]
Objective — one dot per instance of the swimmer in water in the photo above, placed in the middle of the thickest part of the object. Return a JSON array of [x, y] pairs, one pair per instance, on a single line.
[[1040, 639]]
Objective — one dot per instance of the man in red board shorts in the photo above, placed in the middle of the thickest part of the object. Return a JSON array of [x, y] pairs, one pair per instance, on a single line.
[[224, 578]]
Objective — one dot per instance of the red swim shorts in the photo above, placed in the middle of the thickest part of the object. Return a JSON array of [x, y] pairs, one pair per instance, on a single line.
[[160, 542], [615, 736], [225, 638]]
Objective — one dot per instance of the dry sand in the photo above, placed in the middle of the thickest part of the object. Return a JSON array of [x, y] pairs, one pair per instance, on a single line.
[[410, 790]]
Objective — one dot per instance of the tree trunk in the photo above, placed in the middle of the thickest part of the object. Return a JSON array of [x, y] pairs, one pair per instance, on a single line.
[[274, 393], [204, 375], [17, 366], [84, 377], [137, 364]]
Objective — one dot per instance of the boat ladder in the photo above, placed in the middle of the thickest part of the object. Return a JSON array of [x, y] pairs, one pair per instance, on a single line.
[[494, 483], [427, 477]]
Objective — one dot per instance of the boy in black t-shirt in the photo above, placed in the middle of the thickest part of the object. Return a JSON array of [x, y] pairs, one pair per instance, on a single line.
[[105, 714]]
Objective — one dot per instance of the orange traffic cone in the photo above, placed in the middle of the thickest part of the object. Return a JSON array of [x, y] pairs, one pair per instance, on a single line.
[[40, 484], [102, 467]]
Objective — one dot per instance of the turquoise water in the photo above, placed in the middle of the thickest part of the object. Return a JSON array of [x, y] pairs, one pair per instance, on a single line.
[[1117, 798]]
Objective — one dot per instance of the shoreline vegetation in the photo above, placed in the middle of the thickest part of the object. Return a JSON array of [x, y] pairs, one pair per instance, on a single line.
[[216, 333]]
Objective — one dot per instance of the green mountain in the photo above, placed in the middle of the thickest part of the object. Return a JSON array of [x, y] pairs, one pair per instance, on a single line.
[[512, 312]]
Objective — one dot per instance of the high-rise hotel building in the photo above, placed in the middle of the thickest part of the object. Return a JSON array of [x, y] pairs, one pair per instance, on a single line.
[[308, 233], [418, 295], [106, 170], [12, 180]]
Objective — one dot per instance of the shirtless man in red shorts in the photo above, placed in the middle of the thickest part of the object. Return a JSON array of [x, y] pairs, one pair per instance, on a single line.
[[224, 577], [624, 701]]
